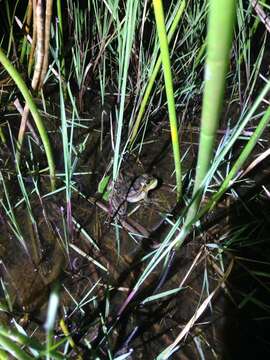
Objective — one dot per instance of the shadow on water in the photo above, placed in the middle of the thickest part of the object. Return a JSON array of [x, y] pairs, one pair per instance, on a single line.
[[247, 321]]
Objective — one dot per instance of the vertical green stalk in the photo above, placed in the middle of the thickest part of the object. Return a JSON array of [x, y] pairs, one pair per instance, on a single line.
[[125, 41], [165, 58], [155, 71], [61, 41], [34, 111], [60, 21], [29, 12], [10, 19], [219, 41]]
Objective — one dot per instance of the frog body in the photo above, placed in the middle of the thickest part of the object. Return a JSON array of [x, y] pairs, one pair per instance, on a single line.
[[125, 191]]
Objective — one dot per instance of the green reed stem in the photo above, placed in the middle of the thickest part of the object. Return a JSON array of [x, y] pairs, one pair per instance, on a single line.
[[154, 74], [219, 40], [165, 58], [61, 40]]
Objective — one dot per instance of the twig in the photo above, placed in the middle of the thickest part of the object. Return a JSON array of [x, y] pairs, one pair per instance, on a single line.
[[48, 17], [40, 44], [261, 14], [18, 106]]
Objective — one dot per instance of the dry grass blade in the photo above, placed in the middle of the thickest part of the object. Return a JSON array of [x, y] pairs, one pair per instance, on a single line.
[[256, 162], [28, 124], [262, 15], [196, 316]]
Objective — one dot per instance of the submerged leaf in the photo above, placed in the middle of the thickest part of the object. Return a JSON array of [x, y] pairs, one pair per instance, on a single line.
[[102, 186]]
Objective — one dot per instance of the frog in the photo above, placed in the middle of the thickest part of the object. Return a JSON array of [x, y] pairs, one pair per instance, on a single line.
[[127, 190]]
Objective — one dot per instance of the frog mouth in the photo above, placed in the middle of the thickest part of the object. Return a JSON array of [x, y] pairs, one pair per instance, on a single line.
[[153, 184]]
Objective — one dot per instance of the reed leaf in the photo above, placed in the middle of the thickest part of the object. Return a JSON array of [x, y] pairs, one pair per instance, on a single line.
[[34, 111]]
